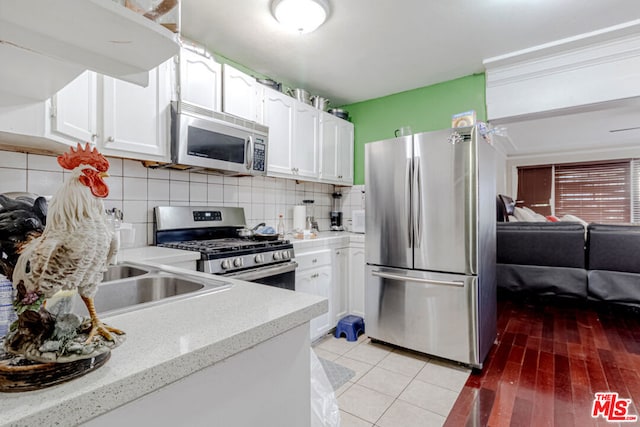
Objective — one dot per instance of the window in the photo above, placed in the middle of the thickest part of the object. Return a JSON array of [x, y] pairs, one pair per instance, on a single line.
[[596, 192]]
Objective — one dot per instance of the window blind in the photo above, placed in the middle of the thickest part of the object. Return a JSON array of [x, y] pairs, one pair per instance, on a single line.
[[635, 191], [595, 192]]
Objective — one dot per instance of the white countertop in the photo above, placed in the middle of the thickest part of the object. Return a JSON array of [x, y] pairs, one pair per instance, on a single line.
[[157, 254], [166, 343], [326, 239]]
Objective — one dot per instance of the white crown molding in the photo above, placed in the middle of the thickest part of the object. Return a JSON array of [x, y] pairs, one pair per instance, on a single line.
[[593, 68]]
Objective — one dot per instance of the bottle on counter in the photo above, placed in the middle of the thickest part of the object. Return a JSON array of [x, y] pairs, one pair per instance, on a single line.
[[7, 312], [280, 228]]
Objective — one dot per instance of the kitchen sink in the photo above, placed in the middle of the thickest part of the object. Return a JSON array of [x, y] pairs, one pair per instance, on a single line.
[[122, 271], [132, 287]]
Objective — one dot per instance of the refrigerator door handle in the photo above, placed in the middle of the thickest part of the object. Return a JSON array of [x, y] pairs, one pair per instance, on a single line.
[[408, 205], [416, 279], [418, 189]]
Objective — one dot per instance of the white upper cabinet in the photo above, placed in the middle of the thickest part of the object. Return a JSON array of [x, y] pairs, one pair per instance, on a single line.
[[50, 43], [74, 110], [336, 148], [136, 119], [239, 93], [293, 136], [200, 80], [278, 116], [345, 152], [121, 118], [305, 141]]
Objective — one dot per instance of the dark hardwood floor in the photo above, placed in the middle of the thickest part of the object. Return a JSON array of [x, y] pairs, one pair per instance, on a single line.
[[551, 356]]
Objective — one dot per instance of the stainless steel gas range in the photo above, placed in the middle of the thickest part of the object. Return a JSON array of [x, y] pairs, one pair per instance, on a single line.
[[213, 232]]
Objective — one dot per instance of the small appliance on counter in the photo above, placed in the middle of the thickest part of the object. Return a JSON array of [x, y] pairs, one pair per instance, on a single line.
[[336, 215], [357, 221]]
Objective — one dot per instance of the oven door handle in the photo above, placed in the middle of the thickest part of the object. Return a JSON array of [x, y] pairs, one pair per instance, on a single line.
[[263, 272]]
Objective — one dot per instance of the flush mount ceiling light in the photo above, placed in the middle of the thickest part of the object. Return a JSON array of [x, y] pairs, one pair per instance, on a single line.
[[301, 16]]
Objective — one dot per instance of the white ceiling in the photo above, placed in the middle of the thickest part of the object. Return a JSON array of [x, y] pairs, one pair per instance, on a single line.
[[372, 48]]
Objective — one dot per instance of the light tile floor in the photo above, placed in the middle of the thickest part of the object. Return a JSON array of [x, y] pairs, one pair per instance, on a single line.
[[392, 387]]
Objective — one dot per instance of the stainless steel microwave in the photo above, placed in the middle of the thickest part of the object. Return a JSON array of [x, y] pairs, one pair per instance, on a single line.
[[212, 140]]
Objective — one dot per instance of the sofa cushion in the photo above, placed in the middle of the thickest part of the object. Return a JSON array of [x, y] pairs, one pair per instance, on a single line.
[[554, 244], [614, 247], [542, 280], [614, 286]]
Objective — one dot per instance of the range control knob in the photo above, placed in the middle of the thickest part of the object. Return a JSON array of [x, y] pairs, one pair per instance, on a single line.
[[225, 264], [259, 259], [277, 256], [285, 255], [237, 262]]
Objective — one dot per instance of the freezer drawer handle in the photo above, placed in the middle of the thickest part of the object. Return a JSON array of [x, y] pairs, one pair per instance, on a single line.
[[415, 279]]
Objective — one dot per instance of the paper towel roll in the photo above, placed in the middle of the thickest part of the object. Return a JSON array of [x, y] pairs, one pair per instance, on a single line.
[[299, 217]]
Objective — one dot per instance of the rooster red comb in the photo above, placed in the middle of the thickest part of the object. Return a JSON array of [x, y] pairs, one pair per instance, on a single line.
[[83, 156]]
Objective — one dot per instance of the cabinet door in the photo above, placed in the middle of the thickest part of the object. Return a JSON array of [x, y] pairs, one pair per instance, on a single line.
[[136, 119], [328, 148], [305, 140], [317, 281], [239, 93], [200, 80], [344, 151], [74, 110], [356, 280], [340, 284], [278, 116]]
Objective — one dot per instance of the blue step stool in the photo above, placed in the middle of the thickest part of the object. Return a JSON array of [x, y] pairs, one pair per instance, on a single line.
[[351, 326]]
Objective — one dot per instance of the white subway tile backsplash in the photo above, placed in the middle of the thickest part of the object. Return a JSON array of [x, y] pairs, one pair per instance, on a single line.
[[115, 166], [270, 216], [135, 211], [133, 168], [43, 163], [245, 181], [230, 180], [215, 179], [115, 187], [158, 173], [215, 193], [158, 189], [13, 160], [244, 195], [178, 175], [257, 212], [12, 180], [134, 188], [198, 192], [230, 195], [257, 195], [178, 191], [43, 183]]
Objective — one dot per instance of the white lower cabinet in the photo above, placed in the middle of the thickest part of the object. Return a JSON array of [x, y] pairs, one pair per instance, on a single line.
[[334, 271], [314, 276], [339, 306], [356, 279]]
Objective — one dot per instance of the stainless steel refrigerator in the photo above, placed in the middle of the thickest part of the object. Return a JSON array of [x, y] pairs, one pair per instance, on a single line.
[[430, 243]]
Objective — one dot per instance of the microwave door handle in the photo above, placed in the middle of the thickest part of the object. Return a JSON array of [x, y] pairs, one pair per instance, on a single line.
[[248, 152]]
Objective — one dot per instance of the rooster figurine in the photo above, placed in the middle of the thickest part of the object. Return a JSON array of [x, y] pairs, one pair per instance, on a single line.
[[76, 245]]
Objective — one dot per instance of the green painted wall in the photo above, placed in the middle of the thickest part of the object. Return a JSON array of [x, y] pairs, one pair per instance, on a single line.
[[424, 109]]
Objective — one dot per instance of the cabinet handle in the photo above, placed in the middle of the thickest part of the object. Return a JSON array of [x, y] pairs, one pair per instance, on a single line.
[[314, 260], [110, 139], [94, 136]]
